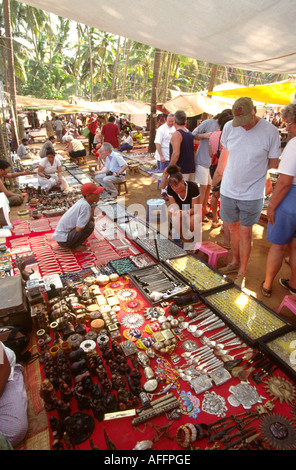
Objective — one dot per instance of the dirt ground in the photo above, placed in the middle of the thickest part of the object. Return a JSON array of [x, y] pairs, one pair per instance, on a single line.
[[142, 187]]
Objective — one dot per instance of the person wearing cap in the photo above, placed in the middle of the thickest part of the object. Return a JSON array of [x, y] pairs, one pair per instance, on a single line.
[[77, 224], [251, 145], [113, 171], [74, 148]]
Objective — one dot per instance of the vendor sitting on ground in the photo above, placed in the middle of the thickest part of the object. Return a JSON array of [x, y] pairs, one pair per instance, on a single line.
[[15, 198], [13, 399], [183, 198], [113, 171], [138, 135], [74, 148], [22, 151], [50, 173], [127, 142], [48, 145], [77, 224]]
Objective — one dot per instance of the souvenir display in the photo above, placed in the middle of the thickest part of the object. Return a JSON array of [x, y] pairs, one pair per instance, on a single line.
[[157, 283], [138, 336], [252, 319], [283, 350], [199, 275]]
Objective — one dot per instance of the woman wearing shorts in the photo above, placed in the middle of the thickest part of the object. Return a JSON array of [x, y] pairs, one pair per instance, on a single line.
[[281, 213]]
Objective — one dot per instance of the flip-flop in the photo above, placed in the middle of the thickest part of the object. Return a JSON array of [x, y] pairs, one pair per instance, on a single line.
[[229, 269], [265, 292]]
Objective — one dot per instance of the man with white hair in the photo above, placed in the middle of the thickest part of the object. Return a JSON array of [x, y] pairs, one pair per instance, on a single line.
[[113, 171], [251, 145]]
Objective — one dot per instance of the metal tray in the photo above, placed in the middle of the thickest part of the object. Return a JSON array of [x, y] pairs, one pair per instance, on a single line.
[[154, 270], [249, 317], [202, 277], [282, 351]]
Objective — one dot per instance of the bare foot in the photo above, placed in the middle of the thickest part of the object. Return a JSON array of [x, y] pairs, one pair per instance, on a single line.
[[81, 248]]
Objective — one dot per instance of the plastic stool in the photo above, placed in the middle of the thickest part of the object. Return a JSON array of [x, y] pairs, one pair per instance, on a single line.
[[288, 301], [213, 251], [156, 210]]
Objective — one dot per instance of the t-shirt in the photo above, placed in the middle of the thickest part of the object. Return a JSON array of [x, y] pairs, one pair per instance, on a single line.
[[163, 138], [249, 151], [22, 151], [114, 162], [128, 140], [287, 164], [77, 216], [49, 169], [192, 192], [214, 141], [202, 155], [58, 125], [77, 145], [110, 132]]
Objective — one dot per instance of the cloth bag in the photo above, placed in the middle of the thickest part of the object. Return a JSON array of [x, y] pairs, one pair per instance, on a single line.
[[85, 131]]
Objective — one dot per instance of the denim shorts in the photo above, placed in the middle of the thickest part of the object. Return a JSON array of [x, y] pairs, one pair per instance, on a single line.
[[284, 228], [162, 165], [246, 212]]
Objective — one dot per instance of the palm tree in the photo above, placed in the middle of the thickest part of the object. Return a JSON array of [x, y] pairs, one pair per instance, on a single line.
[[11, 75], [154, 97]]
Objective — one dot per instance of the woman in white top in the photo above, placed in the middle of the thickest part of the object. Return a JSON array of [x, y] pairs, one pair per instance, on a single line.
[[281, 213], [50, 172]]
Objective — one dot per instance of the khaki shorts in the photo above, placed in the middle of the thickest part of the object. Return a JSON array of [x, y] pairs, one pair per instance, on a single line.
[[202, 175]]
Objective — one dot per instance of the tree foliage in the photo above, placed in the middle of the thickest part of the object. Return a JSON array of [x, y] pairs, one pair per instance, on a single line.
[[56, 58]]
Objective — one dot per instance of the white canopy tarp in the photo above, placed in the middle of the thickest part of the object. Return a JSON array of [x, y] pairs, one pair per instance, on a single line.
[[248, 34], [197, 103]]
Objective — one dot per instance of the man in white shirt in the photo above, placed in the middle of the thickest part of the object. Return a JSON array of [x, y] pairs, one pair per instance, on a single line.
[[113, 171], [251, 146], [162, 143], [77, 224]]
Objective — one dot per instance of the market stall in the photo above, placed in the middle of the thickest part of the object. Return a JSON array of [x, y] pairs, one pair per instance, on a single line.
[[142, 345]]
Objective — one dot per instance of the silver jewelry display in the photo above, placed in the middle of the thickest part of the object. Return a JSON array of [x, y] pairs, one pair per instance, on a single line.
[[214, 404]]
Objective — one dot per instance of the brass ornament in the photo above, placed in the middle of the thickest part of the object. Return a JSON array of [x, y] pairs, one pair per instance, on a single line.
[[281, 389], [278, 432]]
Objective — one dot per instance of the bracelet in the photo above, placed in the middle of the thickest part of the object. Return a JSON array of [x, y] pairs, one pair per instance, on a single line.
[[193, 431], [183, 436]]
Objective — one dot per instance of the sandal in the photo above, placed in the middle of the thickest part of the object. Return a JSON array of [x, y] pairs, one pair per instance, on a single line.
[[265, 292]]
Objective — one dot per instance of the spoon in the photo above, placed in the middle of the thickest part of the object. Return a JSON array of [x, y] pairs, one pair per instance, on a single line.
[[212, 344], [189, 354], [193, 328], [227, 357], [185, 324], [221, 351], [213, 326]]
